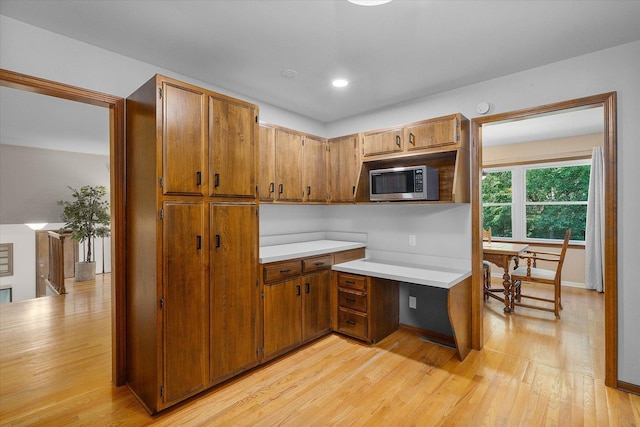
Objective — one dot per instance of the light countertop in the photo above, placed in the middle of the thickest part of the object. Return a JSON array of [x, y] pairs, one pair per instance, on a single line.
[[440, 277], [305, 249]]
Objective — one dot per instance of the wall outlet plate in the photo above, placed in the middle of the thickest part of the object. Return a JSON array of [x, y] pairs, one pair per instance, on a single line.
[[412, 240], [412, 302]]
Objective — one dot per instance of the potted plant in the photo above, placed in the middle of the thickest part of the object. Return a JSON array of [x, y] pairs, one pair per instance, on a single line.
[[87, 217]]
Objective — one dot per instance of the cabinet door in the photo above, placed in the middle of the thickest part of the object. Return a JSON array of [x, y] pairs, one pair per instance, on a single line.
[[282, 320], [232, 149], [288, 166], [267, 163], [432, 134], [314, 170], [316, 311], [184, 300], [234, 292], [183, 140], [343, 168], [382, 142]]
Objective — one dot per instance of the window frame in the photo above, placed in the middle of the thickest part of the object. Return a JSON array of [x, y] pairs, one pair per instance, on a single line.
[[518, 198]]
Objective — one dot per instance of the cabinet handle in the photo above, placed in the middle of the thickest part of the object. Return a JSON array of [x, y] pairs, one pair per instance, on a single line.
[[307, 288], [198, 178], [217, 180], [217, 240], [350, 299], [308, 190], [285, 271], [280, 188], [398, 140], [353, 190], [298, 290], [272, 187], [350, 322], [412, 139], [350, 282], [198, 242]]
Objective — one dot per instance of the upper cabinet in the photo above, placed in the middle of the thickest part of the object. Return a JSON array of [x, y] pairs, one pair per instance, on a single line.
[[184, 139], [267, 163], [382, 142], [314, 169], [343, 167], [231, 148], [288, 166], [440, 132]]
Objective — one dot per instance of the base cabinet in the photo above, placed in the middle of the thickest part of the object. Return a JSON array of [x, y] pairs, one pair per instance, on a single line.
[[368, 307]]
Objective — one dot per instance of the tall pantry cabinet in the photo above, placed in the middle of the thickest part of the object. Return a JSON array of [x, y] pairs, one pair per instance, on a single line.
[[192, 240]]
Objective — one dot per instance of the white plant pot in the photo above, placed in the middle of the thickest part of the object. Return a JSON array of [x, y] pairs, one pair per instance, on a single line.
[[85, 271]]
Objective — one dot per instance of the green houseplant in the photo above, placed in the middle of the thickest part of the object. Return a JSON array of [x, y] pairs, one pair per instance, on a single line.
[[87, 217]]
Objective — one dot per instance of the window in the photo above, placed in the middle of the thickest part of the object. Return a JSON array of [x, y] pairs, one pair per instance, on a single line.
[[537, 202], [6, 259]]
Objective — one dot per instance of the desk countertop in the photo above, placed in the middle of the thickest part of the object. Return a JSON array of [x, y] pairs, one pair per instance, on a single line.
[[440, 277], [305, 249]]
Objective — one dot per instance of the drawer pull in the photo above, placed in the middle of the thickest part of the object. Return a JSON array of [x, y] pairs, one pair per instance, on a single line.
[[318, 264], [286, 271], [350, 299], [350, 282], [351, 322]]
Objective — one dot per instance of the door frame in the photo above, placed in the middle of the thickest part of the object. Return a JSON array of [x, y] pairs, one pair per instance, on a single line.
[[608, 102], [116, 107]]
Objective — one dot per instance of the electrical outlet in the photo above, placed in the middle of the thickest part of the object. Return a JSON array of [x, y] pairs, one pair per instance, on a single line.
[[412, 302], [412, 240]]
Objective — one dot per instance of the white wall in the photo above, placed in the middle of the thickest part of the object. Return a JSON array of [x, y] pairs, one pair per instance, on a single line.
[[29, 50]]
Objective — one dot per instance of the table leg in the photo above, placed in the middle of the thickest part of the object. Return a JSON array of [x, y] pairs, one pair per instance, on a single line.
[[506, 282]]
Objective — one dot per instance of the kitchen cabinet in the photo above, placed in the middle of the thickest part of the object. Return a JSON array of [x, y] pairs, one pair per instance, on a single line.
[[382, 142], [288, 166], [232, 148], [192, 240], [297, 300], [267, 163], [233, 300], [427, 134], [368, 307], [314, 169], [343, 167]]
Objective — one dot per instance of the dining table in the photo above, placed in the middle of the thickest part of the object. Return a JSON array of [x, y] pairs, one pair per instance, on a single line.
[[501, 254]]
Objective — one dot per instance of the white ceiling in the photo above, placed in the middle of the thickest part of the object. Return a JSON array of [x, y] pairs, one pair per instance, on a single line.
[[390, 53]]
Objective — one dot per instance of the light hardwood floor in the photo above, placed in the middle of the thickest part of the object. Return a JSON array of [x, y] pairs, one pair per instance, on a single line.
[[55, 370]]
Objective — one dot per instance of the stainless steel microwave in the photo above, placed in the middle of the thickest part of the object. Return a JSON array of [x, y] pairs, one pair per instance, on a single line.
[[406, 183]]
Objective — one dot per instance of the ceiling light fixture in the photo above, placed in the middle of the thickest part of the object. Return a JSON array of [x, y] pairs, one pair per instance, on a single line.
[[369, 2], [289, 73], [340, 83]]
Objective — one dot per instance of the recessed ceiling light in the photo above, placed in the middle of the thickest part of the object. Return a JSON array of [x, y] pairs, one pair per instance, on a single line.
[[289, 73], [340, 83], [369, 2]]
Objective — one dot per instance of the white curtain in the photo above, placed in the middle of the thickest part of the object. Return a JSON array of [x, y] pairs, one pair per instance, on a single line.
[[594, 239]]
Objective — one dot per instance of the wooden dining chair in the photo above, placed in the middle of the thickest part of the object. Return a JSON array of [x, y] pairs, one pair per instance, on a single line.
[[486, 272], [531, 273]]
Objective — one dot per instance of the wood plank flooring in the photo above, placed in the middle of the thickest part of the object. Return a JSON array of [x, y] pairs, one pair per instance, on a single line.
[[55, 370]]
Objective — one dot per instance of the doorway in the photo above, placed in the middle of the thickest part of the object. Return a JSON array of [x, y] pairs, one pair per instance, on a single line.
[[608, 103], [117, 167]]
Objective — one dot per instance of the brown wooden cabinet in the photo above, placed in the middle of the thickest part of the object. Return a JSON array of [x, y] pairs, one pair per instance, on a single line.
[[368, 307], [383, 142], [232, 150], [297, 300], [314, 170], [267, 163], [343, 168], [439, 132], [288, 166], [233, 299], [192, 240]]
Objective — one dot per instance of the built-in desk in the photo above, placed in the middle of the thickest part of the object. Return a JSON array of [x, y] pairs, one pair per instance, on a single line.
[[455, 282]]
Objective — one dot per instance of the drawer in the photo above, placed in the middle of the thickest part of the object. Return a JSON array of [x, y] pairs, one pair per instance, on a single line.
[[352, 281], [355, 300], [349, 255], [281, 270], [352, 323], [317, 263]]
